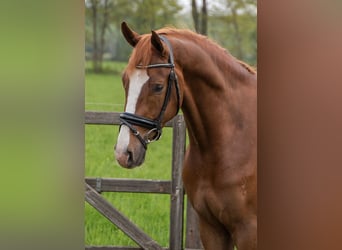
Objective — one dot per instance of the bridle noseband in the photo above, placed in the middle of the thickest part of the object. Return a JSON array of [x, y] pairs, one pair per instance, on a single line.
[[154, 126]]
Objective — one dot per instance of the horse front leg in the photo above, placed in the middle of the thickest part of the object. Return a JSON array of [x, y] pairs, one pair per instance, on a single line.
[[214, 236], [245, 235]]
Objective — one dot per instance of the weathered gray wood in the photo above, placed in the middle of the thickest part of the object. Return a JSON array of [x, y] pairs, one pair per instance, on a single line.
[[122, 222], [107, 118], [104, 118], [177, 195], [129, 185], [193, 239]]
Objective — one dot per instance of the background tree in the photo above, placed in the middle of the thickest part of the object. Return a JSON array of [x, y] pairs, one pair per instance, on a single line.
[[236, 7], [100, 17], [232, 23], [200, 19], [204, 18], [103, 19], [154, 14], [104, 26], [195, 15], [94, 11]]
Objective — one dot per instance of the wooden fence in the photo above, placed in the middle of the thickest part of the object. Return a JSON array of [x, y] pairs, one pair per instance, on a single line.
[[174, 187]]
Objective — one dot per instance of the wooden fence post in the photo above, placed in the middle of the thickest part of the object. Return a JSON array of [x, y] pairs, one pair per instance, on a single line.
[[177, 193]]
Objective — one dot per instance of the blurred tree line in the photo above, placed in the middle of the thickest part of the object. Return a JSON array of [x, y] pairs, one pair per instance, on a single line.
[[231, 23]]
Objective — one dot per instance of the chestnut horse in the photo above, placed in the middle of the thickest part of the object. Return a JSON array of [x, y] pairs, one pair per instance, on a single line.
[[171, 69]]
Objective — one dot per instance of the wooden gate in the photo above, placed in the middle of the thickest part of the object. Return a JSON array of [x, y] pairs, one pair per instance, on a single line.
[[174, 187]]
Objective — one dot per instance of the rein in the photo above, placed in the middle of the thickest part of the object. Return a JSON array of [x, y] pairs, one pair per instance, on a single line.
[[154, 126]]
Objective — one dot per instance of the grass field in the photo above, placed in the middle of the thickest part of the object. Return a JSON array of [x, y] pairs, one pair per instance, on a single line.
[[104, 92]]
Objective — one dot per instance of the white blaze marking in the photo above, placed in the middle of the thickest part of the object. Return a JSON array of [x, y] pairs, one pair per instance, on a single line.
[[137, 80]]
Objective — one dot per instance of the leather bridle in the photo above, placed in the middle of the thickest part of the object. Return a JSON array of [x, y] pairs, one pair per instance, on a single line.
[[154, 126]]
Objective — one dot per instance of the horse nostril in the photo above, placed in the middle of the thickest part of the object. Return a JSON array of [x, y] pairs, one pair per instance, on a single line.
[[130, 157]]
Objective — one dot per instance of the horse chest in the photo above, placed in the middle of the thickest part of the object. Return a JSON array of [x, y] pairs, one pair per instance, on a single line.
[[219, 206], [222, 198]]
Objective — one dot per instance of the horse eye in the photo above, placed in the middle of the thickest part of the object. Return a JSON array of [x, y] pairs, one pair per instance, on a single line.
[[157, 88]]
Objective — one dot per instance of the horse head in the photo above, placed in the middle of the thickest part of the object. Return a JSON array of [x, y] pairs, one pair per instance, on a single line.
[[152, 93]]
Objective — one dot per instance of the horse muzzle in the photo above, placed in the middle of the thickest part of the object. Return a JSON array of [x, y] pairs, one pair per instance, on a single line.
[[130, 158], [129, 152]]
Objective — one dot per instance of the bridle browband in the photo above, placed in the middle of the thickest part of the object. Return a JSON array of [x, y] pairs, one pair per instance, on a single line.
[[154, 126]]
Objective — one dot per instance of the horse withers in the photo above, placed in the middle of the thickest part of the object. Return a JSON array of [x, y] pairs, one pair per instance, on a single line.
[[171, 69]]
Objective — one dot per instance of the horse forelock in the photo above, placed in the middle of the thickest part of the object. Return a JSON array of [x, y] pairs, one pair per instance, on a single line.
[[141, 54]]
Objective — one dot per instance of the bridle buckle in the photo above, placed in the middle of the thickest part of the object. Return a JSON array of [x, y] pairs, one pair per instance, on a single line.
[[155, 138]]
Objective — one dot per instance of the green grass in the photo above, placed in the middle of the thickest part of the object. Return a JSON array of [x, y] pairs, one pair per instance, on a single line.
[[104, 92]]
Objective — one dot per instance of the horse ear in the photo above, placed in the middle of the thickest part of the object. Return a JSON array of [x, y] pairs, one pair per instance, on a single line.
[[156, 42], [131, 36]]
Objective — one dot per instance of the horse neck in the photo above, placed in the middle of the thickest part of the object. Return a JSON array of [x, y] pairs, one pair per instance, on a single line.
[[213, 100]]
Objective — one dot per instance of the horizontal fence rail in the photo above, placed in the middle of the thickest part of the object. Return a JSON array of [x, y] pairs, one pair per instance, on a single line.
[[174, 188], [129, 185]]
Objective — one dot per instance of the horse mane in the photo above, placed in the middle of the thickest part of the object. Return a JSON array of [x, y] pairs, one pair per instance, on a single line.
[[248, 67], [142, 55]]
